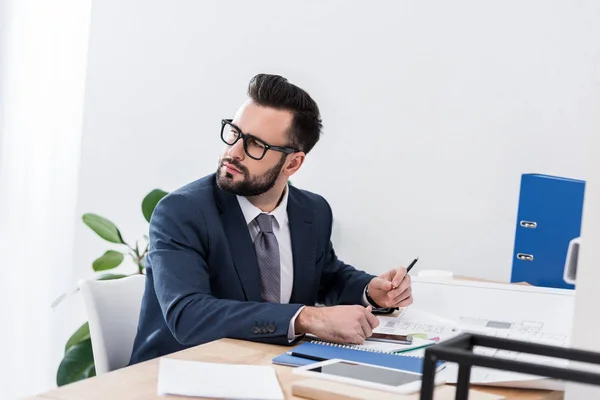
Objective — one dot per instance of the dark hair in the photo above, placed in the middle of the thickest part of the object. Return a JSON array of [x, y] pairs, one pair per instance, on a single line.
[[275, 91]]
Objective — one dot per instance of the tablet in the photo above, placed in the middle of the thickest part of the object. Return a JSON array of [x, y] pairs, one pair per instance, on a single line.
[[366, 375]]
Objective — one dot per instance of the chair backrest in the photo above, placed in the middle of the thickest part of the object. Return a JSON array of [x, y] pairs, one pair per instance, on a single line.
[[113, 309]]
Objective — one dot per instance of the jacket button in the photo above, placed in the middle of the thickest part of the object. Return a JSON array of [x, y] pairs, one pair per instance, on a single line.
[[271, 328], [256, 330]]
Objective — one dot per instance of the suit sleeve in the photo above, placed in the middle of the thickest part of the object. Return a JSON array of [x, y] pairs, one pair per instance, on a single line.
[[340, 283], [177, 257]]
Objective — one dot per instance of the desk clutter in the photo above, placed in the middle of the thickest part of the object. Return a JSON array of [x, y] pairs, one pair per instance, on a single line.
[[526, 313]]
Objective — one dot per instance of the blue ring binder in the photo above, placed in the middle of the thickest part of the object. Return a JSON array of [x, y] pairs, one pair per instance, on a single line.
[[549, 217]]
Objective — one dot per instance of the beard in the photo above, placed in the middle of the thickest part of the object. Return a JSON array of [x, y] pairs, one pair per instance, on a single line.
[[251, 185]]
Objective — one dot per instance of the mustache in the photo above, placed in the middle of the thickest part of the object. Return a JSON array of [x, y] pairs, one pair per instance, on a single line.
[[234, 163]]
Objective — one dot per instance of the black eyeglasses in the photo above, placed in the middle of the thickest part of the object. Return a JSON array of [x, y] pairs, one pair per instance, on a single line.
[[254, 147]]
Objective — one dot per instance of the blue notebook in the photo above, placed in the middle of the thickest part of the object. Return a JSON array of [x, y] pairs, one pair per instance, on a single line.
[[397, 361]]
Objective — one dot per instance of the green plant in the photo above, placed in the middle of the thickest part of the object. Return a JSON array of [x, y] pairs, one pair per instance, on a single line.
[[78, 361]]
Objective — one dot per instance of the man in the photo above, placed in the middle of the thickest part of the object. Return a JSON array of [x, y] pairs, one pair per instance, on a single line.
[[242, 254]]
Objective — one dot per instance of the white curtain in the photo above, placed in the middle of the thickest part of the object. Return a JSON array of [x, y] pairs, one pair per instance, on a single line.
[[43, 56]]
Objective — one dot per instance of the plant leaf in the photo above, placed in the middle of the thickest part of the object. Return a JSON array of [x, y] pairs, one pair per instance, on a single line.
[[77, 364], [107, 277], [150, 201], [103, 227], [81, 334], [108, 260]]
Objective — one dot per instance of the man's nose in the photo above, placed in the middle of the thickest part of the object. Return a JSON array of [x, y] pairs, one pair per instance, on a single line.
[[237, 150]]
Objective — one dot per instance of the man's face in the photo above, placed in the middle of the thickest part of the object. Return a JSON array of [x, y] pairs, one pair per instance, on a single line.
[[242, 175]]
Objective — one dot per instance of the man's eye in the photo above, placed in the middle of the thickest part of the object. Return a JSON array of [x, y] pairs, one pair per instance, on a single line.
[[233, 133], [255, 143]]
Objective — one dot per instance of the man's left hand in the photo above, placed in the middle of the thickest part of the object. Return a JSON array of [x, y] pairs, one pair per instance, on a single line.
[[392, 289]]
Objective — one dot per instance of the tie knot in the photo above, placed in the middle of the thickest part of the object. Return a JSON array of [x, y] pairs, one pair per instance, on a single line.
[[265, 222]]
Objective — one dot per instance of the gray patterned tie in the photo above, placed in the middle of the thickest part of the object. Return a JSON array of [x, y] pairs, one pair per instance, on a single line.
[[267, 253]]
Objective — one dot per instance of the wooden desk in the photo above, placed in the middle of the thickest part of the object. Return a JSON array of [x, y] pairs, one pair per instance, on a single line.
[[139, 381]]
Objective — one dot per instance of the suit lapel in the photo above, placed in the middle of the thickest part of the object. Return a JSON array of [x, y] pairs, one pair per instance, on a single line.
[[240, 244], [304, 246]]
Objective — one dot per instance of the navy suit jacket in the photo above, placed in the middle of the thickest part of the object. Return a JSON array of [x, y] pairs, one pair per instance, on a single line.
[[202, 277]]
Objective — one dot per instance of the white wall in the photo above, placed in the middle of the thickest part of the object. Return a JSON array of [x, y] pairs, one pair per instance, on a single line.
[[432, 111]]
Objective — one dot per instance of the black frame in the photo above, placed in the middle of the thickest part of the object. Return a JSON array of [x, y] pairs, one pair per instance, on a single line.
[[245, 136], [460, 350]]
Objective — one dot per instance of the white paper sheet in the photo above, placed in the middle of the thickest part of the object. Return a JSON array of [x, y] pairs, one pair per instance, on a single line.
[[527, 331], [224, 381]]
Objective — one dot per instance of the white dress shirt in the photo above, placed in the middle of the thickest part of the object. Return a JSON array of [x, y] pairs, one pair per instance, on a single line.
[[281, 229]]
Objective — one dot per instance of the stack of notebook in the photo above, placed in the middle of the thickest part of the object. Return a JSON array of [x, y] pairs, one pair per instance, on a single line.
[[382, 354]]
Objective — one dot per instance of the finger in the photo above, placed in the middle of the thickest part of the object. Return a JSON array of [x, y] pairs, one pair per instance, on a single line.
[[388, 276], [366, 328], [371, 319], [381, 284], [399, 275], [406, 302], [358, 337], [404, 284], [404, 295]]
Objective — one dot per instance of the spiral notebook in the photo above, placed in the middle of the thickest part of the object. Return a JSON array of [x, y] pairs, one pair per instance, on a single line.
[[313, 350], [376, 346]]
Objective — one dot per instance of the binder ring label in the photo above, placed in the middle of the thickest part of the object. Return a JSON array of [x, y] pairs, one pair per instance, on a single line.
[[525, 257], [528, 224]]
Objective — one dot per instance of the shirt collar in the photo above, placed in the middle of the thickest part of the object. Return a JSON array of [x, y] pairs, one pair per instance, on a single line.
[[250, 211]]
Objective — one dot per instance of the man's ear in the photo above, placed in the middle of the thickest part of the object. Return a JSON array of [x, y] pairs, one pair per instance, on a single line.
[[294, 163]]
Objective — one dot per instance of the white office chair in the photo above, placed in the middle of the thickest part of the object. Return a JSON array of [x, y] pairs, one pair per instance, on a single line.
[[113, 309]]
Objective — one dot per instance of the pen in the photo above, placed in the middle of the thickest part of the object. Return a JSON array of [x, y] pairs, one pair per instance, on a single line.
[[308, 357], [412, 264]]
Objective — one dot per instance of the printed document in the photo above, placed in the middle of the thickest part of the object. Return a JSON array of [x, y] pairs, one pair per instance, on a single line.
[[201, 379]]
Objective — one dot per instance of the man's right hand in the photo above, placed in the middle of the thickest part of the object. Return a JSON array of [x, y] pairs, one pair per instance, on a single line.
[[342, 324]]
